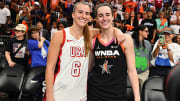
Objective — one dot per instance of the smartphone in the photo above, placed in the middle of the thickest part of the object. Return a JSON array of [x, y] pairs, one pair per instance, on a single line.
[[161, 39]]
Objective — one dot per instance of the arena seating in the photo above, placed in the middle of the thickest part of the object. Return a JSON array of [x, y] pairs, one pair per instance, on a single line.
[[153, 89]]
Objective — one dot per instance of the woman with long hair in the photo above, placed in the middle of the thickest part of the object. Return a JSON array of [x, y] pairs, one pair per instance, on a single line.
[[142, 50], [71, 47], [110, 62], [132, 23]]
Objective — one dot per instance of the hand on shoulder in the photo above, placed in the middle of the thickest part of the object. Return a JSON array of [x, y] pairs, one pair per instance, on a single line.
[[127, 41]]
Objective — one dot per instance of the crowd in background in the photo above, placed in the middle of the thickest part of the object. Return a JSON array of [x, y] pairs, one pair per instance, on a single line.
[[145, 20]]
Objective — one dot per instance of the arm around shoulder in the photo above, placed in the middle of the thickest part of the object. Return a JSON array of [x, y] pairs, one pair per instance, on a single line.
[[94, 32]]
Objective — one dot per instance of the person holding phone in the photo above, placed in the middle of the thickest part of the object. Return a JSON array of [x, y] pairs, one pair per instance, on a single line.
[[164, 54]]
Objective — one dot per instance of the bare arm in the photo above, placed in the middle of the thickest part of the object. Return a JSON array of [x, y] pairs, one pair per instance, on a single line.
[[156, 51], [53, 53], [40, 43], [170, 54], [9, 60], [94, 32], [178, 19], [154, 35], [130, 58], [160, 30], [117, 33], [91, 61]]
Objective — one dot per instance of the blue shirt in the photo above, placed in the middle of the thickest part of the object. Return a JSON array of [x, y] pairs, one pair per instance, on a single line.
[[37, 59]]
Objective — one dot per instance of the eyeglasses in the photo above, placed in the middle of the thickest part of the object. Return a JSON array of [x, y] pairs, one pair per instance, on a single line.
[[19, 31], [146, 31]]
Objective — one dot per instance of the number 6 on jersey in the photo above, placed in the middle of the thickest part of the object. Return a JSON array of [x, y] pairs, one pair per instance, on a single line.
[[75, 71]]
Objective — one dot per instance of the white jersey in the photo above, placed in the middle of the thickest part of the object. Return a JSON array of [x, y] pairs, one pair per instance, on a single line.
[[71, 79]]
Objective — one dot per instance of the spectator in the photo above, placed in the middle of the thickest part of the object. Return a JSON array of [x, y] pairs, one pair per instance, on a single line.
[[120, 8], [43, 32], [158, 5], [116, 15], [14, 10], [114, 3], [131, 23], [57, 14], [177, 40], [126, 17], [4, 18], [24, 16], [16, 49], [62, 25], [142, 50], [175, 20], [54, 28], [117, 23], [29, 5], [68, 8], [151, 24], [161, 22], [38, 48], [143, 7], [165, 54], [37, 14], [144, 16], [124, 21], [130, 6]]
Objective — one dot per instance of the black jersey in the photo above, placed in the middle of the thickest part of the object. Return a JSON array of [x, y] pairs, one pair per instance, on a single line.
[[109, 76]]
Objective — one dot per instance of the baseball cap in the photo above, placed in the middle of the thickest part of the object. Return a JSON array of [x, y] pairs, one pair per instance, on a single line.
[[20, 27], [167, 31], [36, 3]]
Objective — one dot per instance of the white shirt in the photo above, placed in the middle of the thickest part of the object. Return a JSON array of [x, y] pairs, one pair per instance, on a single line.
[[71, 80], [52, 31], [4, 13], [175, 49]]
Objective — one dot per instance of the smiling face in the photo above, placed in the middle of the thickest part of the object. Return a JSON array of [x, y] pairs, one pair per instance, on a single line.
[[81, 15], [104, 17]]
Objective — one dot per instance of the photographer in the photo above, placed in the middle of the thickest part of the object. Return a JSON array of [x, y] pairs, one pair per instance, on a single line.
[[164, 54]]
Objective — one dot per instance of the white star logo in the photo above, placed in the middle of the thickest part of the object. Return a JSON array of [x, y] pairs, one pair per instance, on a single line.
[[105, 67]]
